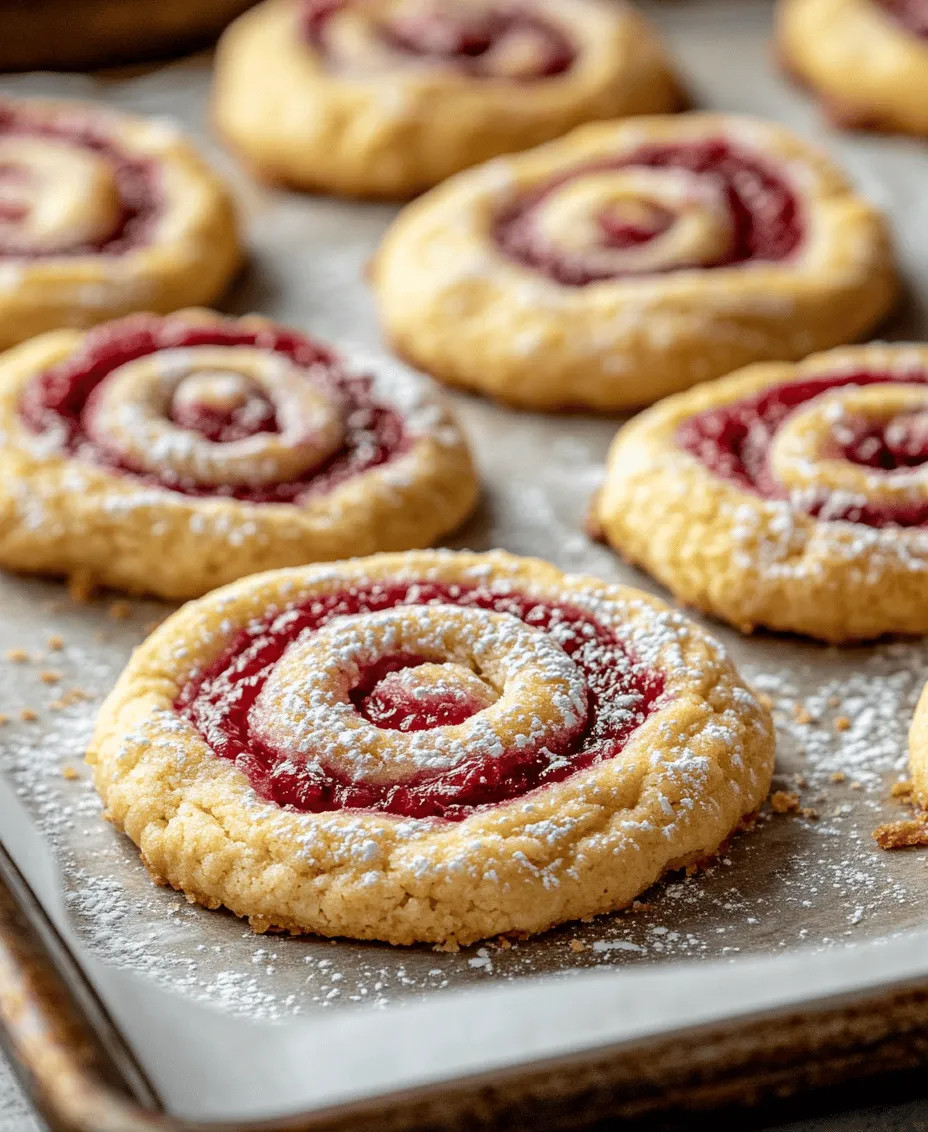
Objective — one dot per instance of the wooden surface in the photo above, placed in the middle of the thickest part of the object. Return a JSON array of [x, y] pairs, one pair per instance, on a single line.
[[39, 34], [869, 1108]]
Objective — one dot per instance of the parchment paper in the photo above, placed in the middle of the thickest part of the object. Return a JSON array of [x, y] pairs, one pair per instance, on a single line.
[[813, 880]]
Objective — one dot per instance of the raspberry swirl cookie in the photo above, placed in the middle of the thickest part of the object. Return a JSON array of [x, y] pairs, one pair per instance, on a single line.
[[630, 260], [171, 455], [429, 747], [866, 59], [102, 214], [790, 497], [385, 98]]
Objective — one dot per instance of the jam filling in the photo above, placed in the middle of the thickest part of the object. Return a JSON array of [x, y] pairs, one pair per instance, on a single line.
[[60, 401], [385, 699], [463, 38], [136, 182], [911, 14], [734, 441], [765, 218], [223, 425], [619, 232], [622, 693]]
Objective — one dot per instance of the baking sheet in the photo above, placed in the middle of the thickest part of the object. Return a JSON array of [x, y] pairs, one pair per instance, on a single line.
[[812, 881]]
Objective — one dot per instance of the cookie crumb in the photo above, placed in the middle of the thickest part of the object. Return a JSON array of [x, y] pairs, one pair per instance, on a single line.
[[577, 945], [855, 785], [842, 723], [783, 802], [912, 833], [450, 946], [74, 696], [27, 715], [902, 789], [834, 701], [503, 943], [800, 780], [80, 587], [49, 676], [17, 656], [801, 715], [56, 643], [4, 719], [809, 813], [69, 772], [839, 776]]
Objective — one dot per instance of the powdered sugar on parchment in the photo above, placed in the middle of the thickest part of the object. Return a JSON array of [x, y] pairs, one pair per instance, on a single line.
[[797, 879]]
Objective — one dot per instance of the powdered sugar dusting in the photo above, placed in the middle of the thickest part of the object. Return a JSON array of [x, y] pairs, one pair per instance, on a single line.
[[794, 881]]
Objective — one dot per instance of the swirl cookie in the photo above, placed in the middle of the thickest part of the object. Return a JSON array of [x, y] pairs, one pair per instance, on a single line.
[[171, 455], [789, 497], [429, 747], [630, 260], [385, 98], [102, 214], [866, 59]]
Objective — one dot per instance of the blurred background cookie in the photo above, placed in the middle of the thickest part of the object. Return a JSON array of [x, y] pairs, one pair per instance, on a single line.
[[630, 260], [385, 98]]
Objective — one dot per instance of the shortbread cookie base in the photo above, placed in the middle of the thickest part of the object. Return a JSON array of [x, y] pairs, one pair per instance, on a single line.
[[586, 845]]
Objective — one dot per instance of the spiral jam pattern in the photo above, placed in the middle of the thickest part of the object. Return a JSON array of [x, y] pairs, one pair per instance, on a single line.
[[67, 190], [663, 208], [850, 446], [911, 14], [420, 699], [261, 414], [479, 37]]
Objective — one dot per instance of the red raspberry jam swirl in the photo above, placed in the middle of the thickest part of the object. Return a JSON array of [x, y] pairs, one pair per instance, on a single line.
[[60, 402], [764, 214], [622, 693], [734, 441], [911, 14], [465, 38], [136, 182]]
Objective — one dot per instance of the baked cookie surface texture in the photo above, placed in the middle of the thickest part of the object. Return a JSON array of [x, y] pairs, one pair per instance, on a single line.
[[171, 455], [630, 260], [867, 60], [793, 497], [385, 98], [434, 746], [102, 214]]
